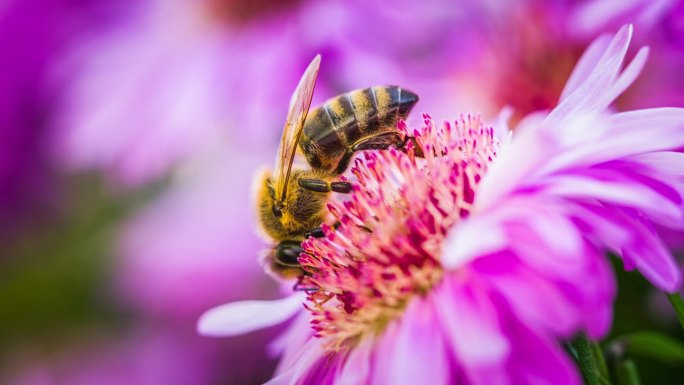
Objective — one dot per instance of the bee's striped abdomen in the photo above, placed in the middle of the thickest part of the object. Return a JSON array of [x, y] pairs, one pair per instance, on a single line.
[[344, 122]]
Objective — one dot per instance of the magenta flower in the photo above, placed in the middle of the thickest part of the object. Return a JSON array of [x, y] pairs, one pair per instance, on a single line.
[[466, 265]]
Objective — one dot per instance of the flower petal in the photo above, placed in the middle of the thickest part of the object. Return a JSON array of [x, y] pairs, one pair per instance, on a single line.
[[533, 298], [586, 64], [632, 236], [522, 222], [243, 317], [471, 324], [650, 256], [357, 369], [629, 133], [515, 162], [666, 162], [308, 356], [621, 193], [628, 75], [289, 343], [536, 360], [593, 94], [414, 351], [465, 241]]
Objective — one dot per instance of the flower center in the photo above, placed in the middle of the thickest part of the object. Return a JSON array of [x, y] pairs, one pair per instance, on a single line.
[[387, 243]]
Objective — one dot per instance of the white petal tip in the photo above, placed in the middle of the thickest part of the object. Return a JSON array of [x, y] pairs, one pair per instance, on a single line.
[[210, 323], [238, 318]]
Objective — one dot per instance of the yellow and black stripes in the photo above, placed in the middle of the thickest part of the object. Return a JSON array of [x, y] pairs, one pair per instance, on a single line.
[[340, 126]]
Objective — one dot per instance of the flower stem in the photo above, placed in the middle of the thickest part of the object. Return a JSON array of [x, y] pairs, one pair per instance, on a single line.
[[678, 305], [626, 373], [590, 360]]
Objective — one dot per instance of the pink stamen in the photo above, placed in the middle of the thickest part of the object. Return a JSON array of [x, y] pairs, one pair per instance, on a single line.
[[387, 246]]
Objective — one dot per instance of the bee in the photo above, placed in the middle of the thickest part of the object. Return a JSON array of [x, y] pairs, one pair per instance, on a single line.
[[291, 202]]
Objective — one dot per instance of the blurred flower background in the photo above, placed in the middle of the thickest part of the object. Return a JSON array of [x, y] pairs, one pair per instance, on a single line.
[[130, 132]]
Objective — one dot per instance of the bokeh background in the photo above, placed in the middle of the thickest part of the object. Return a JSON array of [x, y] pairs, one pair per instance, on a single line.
[[130, 132]]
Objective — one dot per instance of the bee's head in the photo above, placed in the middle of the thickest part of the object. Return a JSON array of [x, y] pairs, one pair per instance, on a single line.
[[275, 214], [278, 207], [292, 215]]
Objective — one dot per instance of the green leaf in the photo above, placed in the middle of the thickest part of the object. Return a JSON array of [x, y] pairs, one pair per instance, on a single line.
[[655, 345]]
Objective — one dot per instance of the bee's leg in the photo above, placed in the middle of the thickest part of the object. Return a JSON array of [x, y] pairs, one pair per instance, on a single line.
[[372, 142], [321, 185], [307, 289], [417, 150], [378, 142], [384, 140], [318, 232]]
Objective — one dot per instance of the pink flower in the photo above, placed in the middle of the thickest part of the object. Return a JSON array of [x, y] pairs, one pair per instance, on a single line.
[[467, 264]]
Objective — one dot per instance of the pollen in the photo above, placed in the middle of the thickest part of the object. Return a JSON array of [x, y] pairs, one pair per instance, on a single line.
[[384, 244]]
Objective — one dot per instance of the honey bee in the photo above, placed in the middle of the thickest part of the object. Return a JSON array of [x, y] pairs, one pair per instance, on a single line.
[[291, 202]]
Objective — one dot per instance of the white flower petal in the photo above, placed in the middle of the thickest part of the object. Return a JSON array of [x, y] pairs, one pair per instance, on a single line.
[[472, 237], [585, 65], [591, 96], [629, 133], [243, 317], [515, 162], [655, 206]]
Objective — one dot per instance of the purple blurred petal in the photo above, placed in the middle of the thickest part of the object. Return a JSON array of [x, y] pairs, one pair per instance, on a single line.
[[594, 16]]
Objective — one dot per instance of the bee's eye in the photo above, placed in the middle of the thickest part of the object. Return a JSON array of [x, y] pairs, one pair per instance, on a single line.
[[277, 210]]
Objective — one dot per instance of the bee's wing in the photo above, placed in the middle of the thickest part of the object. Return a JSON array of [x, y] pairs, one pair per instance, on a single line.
[[299, 107]]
